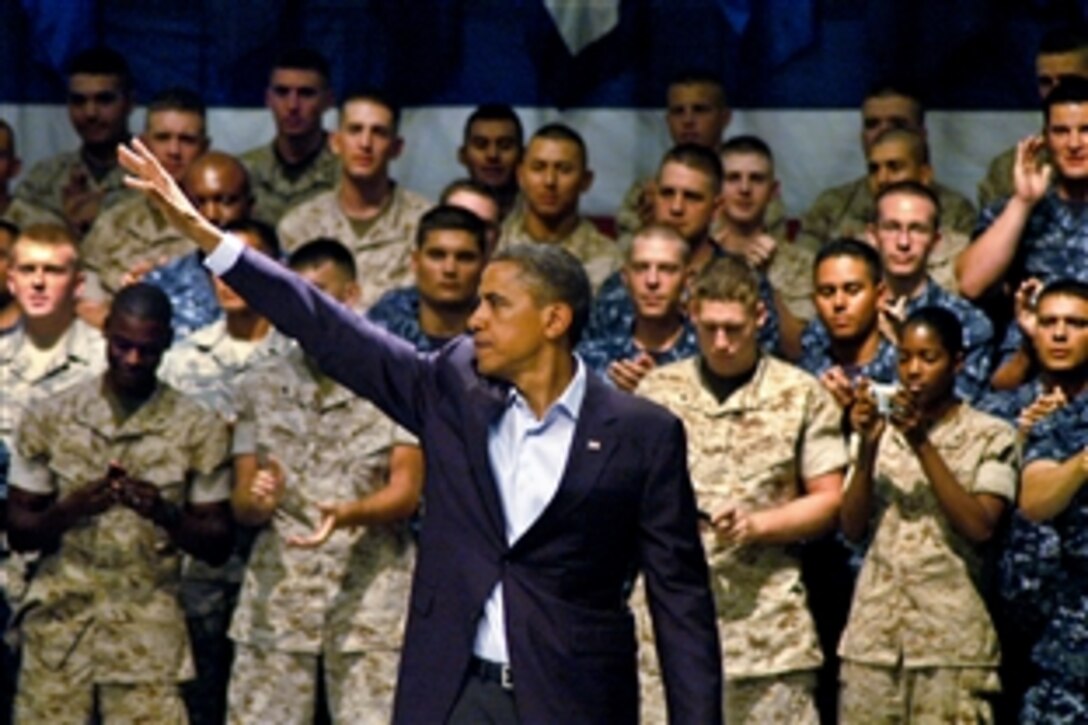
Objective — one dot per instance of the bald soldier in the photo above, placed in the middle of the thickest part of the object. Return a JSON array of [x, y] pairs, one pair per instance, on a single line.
[[219, 187]]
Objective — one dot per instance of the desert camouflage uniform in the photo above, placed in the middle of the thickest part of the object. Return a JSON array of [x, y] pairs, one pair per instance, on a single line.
[[133, 231], [845, 211], [277, 189], [754, 449], [790, 274], [23, 214], [628, 220], [382, 254], [43, 185], [344, 602], [80, 354], [101, 615], [207, 367], [599, 254], [920, 644]]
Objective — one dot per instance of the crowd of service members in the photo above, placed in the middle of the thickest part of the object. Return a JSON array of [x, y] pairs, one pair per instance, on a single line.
[[882, 399]]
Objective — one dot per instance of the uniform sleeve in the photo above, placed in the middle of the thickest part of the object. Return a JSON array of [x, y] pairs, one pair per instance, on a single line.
[[998, 472], [244, 435], [627, 219], [822, 449], [30, 458], [209, 459]]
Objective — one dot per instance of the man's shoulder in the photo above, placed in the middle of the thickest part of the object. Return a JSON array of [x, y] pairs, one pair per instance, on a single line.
[[259, 158], [837, 195], [668, 381], [320, 205]]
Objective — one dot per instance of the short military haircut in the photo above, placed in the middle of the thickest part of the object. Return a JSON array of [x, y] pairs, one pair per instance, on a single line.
[[306, 59], [1066, 287], [746, 144], [727, 278], [265, 233], [901, 90], [563, 132], [494, 112], [697, 157], [50, 235], [320, 250], [913, 138], [465, 185], [852, 248], [941, 321], [5, 127], [659, 231], [143, 301], [553, 275], [179, 99], [1070, 89], [909, 188], [1064, 39], [450, 218], [694, 77], [101, 62], [373, 96]]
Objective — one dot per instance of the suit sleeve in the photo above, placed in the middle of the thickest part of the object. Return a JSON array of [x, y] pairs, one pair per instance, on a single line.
[[350, 349], [677, 585]]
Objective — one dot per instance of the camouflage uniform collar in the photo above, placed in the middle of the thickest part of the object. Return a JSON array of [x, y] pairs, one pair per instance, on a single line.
[[77, 337], [154, 415]]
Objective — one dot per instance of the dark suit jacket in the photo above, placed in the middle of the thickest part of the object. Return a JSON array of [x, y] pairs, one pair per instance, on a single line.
[[624, 504]]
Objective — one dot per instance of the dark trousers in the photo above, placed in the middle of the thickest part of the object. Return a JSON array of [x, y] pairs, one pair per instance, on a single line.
[[483, 701]]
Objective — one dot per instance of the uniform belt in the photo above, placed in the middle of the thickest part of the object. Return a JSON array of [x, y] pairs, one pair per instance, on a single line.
[[496, 672]]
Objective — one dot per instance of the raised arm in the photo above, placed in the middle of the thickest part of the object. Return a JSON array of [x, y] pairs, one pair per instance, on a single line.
[[984, 262], [353, 351]]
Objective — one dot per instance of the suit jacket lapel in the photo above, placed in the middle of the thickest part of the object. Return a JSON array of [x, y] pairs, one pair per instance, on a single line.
[[595, 440], [486, 402]]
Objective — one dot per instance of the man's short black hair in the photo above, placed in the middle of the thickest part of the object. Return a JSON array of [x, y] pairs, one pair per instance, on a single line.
[[179, 99], [911, 188], [101, 61], [319, 250], [563, 132], [143, 301], [266, 233], [1066, 286], [373, 96], [494, 112], [887, 89], [746, 144], [1070, 89], [11, 228], [699, 77], [698, 157], [306, 59], [446, 217], [553, 275], [846, 247], [1064, 39]]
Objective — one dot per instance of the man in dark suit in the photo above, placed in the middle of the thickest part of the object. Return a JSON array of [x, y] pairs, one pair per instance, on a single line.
[[546, 491]]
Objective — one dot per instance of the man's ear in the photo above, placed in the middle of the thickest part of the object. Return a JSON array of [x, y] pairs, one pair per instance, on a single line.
[[587, 181], [558, 317]]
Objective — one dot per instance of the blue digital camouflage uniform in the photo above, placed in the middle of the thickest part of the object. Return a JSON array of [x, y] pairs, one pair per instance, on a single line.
[[1060, 565], [816, 357], [1054, 242], [613, 310], [600, 352], [398, 311], [978, 335], [192, 295]]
